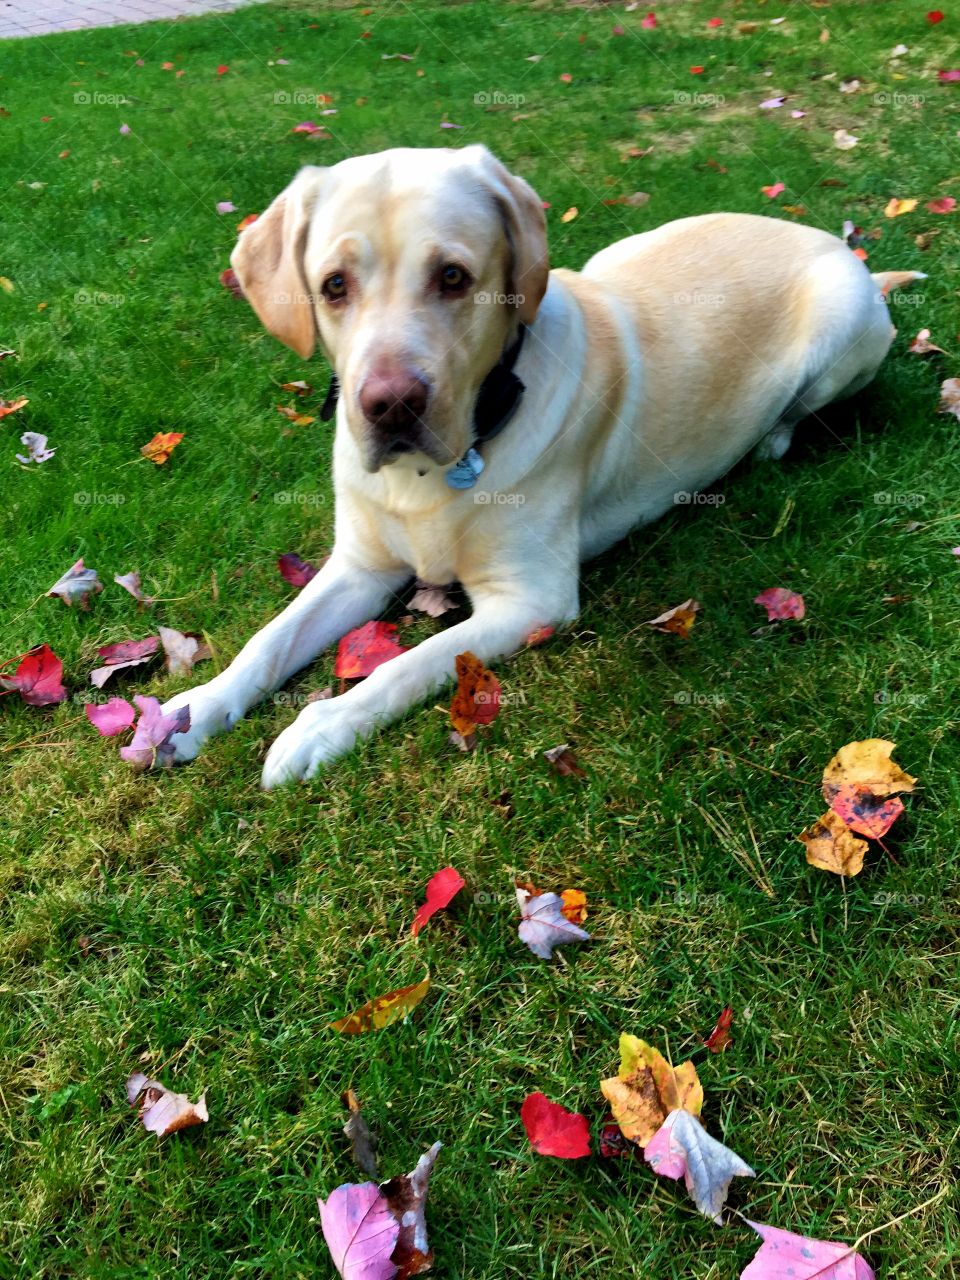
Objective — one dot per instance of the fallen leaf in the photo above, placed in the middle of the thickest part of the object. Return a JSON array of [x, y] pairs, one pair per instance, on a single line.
[[432, 599], [780, 604], [159, 449], [843, 140], [38, 678], [122, 655], [647, 1088], [649, 22], [295, 416], [714, 22], [833, 847], [921, 345], [868, 766], [785, 1256], [247, 221], [570, 214], [543, 926], [540, 635], [944, 204], [162, 1111], [574, 905], [935, 16], [552, 1130], [613, 1145], [7, 285], [360, 1230], [297, 388], [363, 1143], [77, 584], [365, 648], [382, 1011], [182, 651], [12, 406], [111, 717], [720, 1037], [228, 278], [124, 129], [681, 1147], [948, 77], [407, 1198], [950, 397], [849, 86], [151, 745], [477, 697], [131, 582], [564, 761], [771, 104], [36, 446], [896, 208], [294, 570], [867, 814], [678, 620], [442, 888], [226, 206]]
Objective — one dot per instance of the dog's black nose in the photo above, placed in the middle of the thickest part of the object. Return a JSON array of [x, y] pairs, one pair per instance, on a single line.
[[394, 399]]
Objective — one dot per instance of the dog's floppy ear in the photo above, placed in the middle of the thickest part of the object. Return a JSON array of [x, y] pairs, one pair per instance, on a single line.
[[268, 261], [526, 229]]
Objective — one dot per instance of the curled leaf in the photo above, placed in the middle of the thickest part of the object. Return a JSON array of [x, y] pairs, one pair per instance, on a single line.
[[382, 1011], [162, 1111]]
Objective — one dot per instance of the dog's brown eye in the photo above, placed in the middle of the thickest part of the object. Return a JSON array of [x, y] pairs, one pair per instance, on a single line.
[[453, 279], [334, 287]]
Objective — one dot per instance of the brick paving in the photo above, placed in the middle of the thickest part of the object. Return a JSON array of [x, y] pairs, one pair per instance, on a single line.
[[41, 17]]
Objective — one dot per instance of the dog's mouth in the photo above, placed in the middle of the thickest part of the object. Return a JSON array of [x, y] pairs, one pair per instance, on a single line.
[[386, 452]]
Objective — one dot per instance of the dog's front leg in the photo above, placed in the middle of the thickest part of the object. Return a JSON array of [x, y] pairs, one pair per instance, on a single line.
[[343, 595], [500, 624]]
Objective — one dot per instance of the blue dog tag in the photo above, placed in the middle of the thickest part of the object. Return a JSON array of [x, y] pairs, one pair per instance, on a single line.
[[463, 474]]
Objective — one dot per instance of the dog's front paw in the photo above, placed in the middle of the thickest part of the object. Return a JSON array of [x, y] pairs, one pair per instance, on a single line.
[[320, 733], [210, 713]]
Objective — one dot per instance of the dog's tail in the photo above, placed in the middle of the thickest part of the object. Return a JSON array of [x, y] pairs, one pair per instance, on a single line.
[[887, 280]]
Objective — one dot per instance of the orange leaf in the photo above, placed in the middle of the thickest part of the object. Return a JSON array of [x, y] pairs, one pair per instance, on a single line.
[[678, 620], [159, 449], [383, 1010], [574, 905], [11, 406], [477, 699]]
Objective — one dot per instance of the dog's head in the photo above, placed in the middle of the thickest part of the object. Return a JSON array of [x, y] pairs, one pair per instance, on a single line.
[[412, 269]]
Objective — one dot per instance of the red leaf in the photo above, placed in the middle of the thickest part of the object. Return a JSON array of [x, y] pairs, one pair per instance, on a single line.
[[39, 678], [780, 604], [948, 77], [294, 570], [442, 888], [935, 16], [554, 1131], [943, 204], [612, 1142], [865, 813], [649, 22], [368, 647], [720, 1036]]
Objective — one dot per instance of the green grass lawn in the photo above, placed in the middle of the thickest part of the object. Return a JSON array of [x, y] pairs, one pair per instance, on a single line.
[[191, 926]]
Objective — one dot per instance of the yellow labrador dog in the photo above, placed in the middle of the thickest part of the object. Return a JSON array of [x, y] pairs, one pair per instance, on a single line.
[[498, 422]]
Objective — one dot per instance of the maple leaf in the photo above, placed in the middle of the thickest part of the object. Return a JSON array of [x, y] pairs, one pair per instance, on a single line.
[[897, 208], [383, 1010], [678, 620], [294, 570], [921, 345], [780, 603], [867, 765], [151, 743], [77, 584], [162, 1111], [111, 717], [38, 678], [365, 648], [407, 1198], [647, 1088], [442, 888], [785, 1256], [543, 926], [159, 449], [131, 582], [477, 697], [681, 1147], [360, 1231], [574, 906], [552, 1130], [867, 814], [832, 846], [720, 1037], [122, 655], [182, 651]]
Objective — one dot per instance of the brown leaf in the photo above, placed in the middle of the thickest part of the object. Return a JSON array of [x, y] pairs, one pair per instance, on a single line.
[[647, 1088], [564, 761], [678, 620], [363, 1143], [182, 651], [162, 1111]]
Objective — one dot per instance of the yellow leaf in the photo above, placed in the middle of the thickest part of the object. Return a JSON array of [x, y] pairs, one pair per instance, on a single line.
[[571, 213], [383, 1010], [646, 1089], [679, 620], [896, 207], [832, 846], [866, 765], [6, 285]]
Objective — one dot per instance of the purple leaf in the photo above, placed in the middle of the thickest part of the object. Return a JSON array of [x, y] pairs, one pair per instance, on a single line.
[[294, 570], [771, 104], [151, 743], [36, 446], [226, 206], [112, 717], [124, 129], [360, 1231], [131, 582], [120, 656], [544, 926]]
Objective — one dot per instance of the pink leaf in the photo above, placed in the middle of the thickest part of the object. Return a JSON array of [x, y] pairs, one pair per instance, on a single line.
[[681, 1147], [360, 1231], [124, 129], [773, 191], [122, 655], [649, 21], [226, 206], [131, 582], [785, 1256], [442, 888], [294, 570], [865, 813], [151, 743], [944, 204], [771, 104], [553, 1130], [364, 649], [111, 717], [780, 603], [38, 678], [948, 77], [544, 926]]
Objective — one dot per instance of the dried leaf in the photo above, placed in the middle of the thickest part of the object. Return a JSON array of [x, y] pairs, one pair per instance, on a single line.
[[921, 345], [183, 652], [720, 1037], [564, 761], [646, 1089], [432, 599], [832, 846], [122, 655], [363, 1143], [867, 765], [77, 584], [543, 926], [162, 1111], [477, 698], [678, 620], [159, 449], [383, 1010]]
